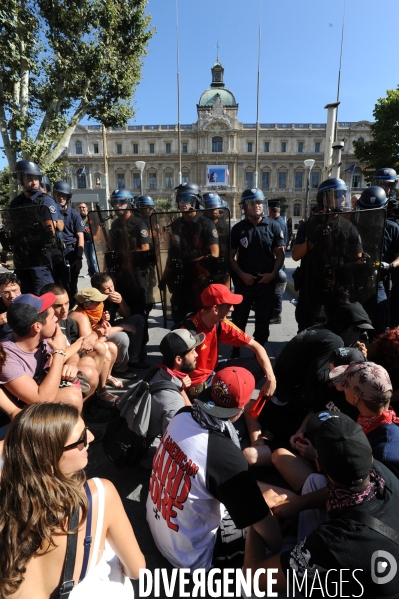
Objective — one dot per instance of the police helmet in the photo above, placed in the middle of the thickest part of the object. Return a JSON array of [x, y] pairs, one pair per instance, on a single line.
[[144, 202], [46, 184], [188, 193], [253, 196], [335, 195], [385, 178], [63, 187], [26, 167], [121, 197], [372, 197], [212, 200]]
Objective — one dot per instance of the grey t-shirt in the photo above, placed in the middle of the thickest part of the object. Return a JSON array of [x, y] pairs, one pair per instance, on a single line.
[[164, 404], [20, 362]]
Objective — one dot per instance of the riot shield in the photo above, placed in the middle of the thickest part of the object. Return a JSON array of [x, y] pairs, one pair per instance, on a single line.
[[343, 261], [28, 239], [192, 250], [119, 238]]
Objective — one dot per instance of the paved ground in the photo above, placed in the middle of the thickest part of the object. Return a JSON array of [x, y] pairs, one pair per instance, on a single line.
[[132, 484]]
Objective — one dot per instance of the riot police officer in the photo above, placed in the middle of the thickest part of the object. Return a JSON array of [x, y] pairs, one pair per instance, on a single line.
[[275, 214], [193, 242], [373, 198], [146, 206], [33, 264], [256, 256], [215, 209], [67, 273], [325, 244]]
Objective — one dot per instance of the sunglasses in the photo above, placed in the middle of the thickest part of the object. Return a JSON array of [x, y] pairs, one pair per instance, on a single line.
[[82, 441]]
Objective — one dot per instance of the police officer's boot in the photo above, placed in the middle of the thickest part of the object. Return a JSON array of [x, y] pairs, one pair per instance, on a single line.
[[276, 318]]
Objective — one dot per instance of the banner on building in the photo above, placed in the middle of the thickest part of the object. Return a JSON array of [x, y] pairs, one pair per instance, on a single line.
[[217, 174]]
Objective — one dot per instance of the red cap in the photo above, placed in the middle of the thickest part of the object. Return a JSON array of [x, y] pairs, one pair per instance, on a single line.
[[230, 392], [216, 294]]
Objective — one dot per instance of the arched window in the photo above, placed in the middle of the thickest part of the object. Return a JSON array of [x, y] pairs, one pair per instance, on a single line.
[[297, 209], [78, 147], [97, 179], [361, 140], [217, 144], [81, 177]]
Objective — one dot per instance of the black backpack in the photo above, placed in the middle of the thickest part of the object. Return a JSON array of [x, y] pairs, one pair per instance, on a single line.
[[125, 439]]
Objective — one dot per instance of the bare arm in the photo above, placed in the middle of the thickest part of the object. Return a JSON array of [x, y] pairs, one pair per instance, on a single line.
[[119, 533], [263, 359], [83, 323], [254, 559], [300, 250]]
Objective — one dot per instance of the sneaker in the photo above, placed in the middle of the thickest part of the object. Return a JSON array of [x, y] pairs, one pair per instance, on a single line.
[[275, 319]]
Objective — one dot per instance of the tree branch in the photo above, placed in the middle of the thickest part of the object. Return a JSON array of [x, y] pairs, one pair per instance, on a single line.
[[10, 153], [62, 144]]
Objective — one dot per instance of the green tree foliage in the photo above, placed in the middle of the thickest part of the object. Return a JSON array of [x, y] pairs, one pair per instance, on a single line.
[[61, 61], [383, 150]]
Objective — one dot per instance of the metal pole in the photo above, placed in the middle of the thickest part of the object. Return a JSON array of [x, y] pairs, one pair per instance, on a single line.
[[257, 102], [106, 185], [307, 195], [339, 72], [178, 94]]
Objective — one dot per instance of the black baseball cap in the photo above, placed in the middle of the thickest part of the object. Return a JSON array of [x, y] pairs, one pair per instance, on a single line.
[[179, 342], [343, 449]]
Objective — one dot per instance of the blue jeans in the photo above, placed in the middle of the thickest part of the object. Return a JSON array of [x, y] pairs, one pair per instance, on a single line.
[[90, 257]]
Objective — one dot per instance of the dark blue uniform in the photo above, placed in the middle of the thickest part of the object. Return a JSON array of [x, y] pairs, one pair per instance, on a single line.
[[278, 298], [390, 250], [255, 254], [65, 273], [35, 271]]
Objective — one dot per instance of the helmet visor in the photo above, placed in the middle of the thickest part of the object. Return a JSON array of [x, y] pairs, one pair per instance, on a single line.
[[386, 184], [337, 200], [255, 207]]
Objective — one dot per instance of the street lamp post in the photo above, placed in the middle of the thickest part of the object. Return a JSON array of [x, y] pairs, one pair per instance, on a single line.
[[140, 165], [308, 166]]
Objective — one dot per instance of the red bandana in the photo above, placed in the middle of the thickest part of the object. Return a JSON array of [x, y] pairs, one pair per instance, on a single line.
[[178, 375], [370, 423]]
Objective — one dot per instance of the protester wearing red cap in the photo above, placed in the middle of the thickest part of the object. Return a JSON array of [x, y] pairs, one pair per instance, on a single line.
[[36, 357], [218, 301], [202, 493]]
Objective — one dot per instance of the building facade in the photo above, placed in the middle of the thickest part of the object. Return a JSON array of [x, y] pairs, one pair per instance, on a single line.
[[216, 138]]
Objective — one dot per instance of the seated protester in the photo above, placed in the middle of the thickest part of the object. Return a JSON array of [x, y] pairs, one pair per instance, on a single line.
[[218, 301], [384, 350], [298, 462], [8, 408], [90, 309], [36, 354], [178, 360], [208, 475], [9, 290], [88, 314], [115, 305], [78, 348], [368, 387], [301, 369], [344, 544]]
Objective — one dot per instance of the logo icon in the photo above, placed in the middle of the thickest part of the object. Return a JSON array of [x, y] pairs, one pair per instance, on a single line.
[[383, 567]]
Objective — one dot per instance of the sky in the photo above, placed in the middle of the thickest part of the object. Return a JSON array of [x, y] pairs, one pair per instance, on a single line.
[[299, 64]]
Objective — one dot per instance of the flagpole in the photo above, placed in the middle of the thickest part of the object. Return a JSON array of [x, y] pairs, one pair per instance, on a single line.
[[339, 72], [178, 94], [257, 101]]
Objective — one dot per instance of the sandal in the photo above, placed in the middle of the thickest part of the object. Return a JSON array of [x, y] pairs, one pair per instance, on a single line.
[[110, 398], [114, 382]]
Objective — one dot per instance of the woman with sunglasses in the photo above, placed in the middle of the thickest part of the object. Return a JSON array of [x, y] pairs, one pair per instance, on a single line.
[[42, 486]]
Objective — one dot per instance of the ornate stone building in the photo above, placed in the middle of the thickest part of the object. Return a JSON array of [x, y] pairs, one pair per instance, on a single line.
[[216, 138]]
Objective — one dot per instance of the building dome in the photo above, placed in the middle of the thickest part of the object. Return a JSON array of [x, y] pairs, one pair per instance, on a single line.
[[217, 89], [210, 95]]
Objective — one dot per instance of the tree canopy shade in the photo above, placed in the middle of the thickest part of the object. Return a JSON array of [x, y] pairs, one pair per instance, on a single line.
[[383, 150], [62, 60]]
